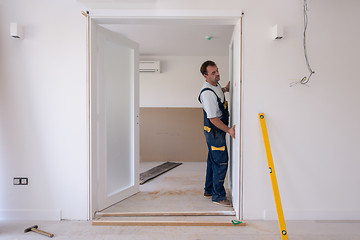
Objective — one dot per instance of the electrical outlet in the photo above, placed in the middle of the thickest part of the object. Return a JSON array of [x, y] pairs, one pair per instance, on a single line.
[[16, 181], [20, 181], [24, 181]]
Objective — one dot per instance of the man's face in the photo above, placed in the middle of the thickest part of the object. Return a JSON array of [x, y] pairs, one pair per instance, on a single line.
[[213, 75]]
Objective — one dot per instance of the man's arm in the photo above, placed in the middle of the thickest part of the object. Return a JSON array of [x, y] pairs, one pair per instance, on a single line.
[[220, 125]]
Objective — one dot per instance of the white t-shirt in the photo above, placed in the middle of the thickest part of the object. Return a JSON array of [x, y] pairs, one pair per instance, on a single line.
[[209, 101]]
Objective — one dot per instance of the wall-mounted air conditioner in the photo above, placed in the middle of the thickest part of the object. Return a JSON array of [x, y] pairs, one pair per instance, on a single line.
[[149, 66]]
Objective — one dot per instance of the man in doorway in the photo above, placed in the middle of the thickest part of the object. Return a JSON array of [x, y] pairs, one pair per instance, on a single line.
[[216, 120]]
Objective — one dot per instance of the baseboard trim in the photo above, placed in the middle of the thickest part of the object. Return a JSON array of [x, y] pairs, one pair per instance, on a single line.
[[34, 214]]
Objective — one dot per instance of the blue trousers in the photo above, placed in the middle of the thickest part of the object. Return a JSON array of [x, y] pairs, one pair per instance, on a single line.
[[217, 164]]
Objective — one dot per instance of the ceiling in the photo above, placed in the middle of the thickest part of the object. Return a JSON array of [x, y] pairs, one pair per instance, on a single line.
[[177, 38]]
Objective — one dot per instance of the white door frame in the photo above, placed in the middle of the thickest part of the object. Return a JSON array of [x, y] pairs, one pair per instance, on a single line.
[[236, 90], [219, 17]]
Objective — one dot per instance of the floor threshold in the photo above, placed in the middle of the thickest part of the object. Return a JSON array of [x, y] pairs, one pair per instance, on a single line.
[[146, 214], [167, 223]]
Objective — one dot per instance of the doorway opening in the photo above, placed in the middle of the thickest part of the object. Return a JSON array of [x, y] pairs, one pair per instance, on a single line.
[[191, 169]]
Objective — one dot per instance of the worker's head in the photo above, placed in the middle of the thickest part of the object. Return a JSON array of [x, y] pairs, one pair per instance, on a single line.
[[210, 72]]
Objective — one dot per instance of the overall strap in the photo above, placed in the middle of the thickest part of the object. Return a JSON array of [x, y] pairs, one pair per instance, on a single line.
[[206, 89]]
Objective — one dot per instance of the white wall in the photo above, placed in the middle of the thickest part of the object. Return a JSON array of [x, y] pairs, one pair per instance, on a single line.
[[179, 82], [43, 133], [313, 130]]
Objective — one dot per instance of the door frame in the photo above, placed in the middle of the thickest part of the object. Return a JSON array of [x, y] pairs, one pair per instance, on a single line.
[[220, 17], [236, 72]]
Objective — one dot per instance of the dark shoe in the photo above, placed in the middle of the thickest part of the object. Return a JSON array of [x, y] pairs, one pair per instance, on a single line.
[[224, 203], [207, 195]]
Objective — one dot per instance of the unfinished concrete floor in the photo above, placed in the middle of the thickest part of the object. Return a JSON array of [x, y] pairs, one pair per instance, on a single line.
[[178, 190], [176, 197], [255, 230]]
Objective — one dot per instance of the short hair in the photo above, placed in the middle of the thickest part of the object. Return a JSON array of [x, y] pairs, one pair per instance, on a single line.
[[203, 68]]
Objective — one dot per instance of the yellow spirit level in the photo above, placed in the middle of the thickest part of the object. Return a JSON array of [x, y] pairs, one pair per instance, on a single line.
[[274, 184]]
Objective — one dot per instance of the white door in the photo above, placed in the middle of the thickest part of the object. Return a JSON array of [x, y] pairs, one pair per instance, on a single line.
[[114, 114], [235, 118]]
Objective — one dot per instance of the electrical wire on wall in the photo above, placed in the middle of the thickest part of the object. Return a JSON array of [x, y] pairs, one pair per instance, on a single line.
[[305, 79]]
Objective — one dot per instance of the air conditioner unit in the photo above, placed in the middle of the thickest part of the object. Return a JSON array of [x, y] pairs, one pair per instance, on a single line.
[[149, 66]]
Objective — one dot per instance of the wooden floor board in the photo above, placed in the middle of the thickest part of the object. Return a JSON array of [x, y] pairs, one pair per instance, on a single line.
[[137, 214], [157, 171], [166, 223]]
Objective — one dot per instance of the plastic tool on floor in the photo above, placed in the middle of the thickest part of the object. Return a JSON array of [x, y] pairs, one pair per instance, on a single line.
[[236, 222], [274, 184], [35, 229]]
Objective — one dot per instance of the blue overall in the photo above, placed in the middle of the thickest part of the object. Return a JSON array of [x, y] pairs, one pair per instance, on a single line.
[[217, 161]]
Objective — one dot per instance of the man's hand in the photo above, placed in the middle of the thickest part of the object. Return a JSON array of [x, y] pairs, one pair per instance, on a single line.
[[219, 124], [226, 88], [231, 131]]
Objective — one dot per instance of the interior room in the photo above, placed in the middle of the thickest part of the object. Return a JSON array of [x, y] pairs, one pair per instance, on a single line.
[[171, 118], [311, 116]]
